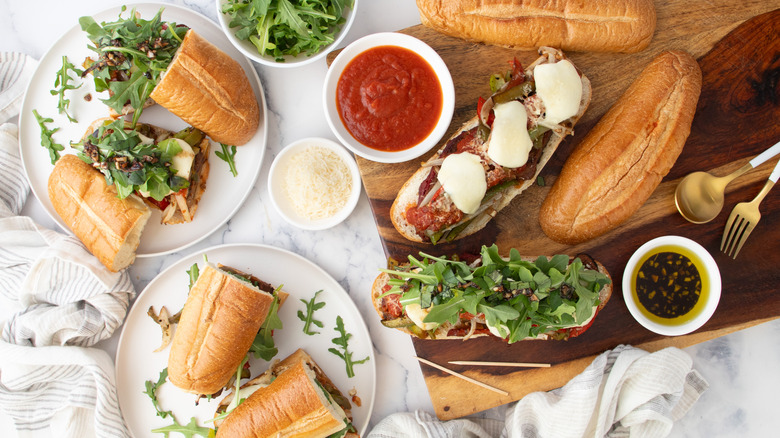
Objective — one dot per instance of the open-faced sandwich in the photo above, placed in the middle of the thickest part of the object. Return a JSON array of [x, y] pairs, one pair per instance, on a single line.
[[514, 298], [497, 154], [167, 169]]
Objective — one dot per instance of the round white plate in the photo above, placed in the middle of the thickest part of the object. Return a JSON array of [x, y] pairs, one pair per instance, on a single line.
[[136, 361], [224, 194]]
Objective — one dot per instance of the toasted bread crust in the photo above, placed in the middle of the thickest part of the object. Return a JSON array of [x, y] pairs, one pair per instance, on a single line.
[[621, 161], [289, 406], [209, 90], [603, 26], [109, 227], [218, 324]]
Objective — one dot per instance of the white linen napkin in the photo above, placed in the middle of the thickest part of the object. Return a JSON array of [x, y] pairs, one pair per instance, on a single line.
[[52, 381], [623, 392]]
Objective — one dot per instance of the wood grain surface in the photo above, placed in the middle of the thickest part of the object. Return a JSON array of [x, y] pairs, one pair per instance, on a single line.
[[738, 116]]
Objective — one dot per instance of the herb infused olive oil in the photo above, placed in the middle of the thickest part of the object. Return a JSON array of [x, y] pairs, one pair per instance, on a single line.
[[670, 285]]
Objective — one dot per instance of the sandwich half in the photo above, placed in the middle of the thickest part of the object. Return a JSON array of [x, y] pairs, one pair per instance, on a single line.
[[293, 398], [220, 320]]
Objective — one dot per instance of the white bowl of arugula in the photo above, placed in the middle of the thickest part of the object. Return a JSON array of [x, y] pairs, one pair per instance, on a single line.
[[284, 33]]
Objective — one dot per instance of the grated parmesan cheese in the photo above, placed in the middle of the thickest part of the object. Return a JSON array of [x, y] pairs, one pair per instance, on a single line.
[[317, 182]]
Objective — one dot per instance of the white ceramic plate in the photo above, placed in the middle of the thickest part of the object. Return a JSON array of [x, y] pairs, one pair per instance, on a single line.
[[280, 199], [225, 193], [136, 361], [250, 51]]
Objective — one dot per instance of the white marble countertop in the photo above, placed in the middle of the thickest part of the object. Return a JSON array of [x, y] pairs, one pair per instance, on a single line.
[[741, 368]]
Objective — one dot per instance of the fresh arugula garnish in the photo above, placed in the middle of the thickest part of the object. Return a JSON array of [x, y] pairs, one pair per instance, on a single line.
[[46, 140], [308, 318], [193, 273], [342, 341], [263, 345], [228, 155], [151, 391], [130, 164], [189, 430], [62, 84], [518, 298], [237, 400], [285, 27], [132, 54]]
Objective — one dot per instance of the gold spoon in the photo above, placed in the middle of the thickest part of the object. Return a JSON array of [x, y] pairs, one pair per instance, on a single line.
[[699, 196]]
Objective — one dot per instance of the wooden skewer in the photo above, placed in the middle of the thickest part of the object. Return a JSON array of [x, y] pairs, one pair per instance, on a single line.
[[468, 379], [500, 364]]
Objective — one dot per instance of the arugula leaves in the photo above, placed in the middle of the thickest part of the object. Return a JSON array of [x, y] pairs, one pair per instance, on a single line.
[[189, 430], [308, 318], [130, 163], [263, 345], [287, 27], [151, 391], [518, 298], [228, 155], [62, 84], [342, 341], [193, 273], [46, 137], [132, 54]]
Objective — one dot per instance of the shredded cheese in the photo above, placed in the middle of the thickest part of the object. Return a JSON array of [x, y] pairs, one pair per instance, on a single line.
[[317, 182]]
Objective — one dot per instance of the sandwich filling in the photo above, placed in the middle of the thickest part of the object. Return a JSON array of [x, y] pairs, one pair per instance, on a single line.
[[168, 170], [513, 299], [132, 53], [515, 125]]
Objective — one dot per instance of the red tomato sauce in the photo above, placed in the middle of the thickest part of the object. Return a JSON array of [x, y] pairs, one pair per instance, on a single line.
[[389, 98]]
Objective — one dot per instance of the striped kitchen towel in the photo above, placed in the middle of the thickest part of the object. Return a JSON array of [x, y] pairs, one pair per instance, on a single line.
[[15, 70], [56, 302]]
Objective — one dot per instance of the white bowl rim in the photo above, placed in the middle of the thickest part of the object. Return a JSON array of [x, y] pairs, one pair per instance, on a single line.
[[251, 52], [274, 188], [389, 39], [713, 297]]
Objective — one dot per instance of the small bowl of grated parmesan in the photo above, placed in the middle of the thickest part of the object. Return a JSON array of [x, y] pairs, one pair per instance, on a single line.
[[314, 183]]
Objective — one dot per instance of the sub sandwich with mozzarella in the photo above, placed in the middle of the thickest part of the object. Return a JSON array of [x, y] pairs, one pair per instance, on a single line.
[[514, 298], [168, 170], [293, 398], [496, 155], [224, 312], [142, 62]]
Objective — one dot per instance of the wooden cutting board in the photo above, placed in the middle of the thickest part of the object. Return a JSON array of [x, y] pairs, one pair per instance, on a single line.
[[738, 116]]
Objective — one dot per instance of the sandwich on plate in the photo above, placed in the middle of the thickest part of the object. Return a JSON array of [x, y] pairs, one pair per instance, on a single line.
[[293, 398]]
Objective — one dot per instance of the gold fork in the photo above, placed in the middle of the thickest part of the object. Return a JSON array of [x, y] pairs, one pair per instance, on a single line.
[[744, 217]]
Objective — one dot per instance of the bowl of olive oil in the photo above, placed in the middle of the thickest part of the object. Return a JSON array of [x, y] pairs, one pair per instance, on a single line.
[[671, 285]]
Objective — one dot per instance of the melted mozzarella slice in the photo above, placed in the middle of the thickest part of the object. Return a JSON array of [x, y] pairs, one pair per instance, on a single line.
[[463, 178], [182, 162], [144, 139], [243, 394], [509, 142], [560, 88], [417, 314], [500, 331]]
